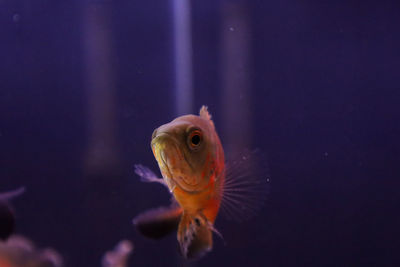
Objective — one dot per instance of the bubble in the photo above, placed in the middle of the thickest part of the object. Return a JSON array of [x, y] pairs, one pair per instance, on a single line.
[[16, 18]]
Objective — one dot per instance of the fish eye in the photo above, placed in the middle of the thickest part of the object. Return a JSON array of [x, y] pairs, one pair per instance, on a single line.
[[195, 138]]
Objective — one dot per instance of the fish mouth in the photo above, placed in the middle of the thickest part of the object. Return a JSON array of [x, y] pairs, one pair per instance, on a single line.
[[166, 172], [172, 162]]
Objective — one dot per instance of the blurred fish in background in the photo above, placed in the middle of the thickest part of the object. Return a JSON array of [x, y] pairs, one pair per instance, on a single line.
[[16, 250], [19, 251], [7, 217], [118, 257]]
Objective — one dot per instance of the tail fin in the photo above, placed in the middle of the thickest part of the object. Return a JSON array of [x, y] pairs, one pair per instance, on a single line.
[[157, 223], [194, 236]]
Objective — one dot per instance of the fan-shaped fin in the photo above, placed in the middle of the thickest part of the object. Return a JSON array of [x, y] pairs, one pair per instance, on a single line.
[[246, 186]]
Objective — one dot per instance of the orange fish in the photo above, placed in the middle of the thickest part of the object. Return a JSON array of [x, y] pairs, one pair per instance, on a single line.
[[192, 162]]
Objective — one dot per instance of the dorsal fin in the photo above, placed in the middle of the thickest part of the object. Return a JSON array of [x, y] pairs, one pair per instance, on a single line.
[[206, 115]]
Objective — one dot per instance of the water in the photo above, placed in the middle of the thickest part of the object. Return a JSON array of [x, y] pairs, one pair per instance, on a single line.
[[313, 85]]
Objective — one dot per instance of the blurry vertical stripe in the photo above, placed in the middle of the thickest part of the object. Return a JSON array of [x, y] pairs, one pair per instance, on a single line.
[[235, 74], [103, 172], [183, 68], [183, 57], [100, 85]]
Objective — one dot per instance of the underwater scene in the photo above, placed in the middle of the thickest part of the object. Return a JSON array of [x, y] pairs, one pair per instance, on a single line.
[[199, 133]]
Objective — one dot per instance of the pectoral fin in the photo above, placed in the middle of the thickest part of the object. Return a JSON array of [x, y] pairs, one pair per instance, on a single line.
[[246, 186], [147, 175], [157, 223]]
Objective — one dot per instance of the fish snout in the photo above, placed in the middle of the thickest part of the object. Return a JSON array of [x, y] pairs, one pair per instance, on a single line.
[[165, 149]]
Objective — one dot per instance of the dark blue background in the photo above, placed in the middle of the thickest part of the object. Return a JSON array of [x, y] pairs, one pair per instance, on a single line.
[[325, 108]]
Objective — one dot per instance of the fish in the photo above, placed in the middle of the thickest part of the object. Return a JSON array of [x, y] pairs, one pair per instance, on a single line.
[[16, 250], [7, 217], [118, 257], [192, 162], [19, 251]]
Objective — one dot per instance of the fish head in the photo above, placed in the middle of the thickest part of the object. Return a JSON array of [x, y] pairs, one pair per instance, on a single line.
[[188, 152]]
